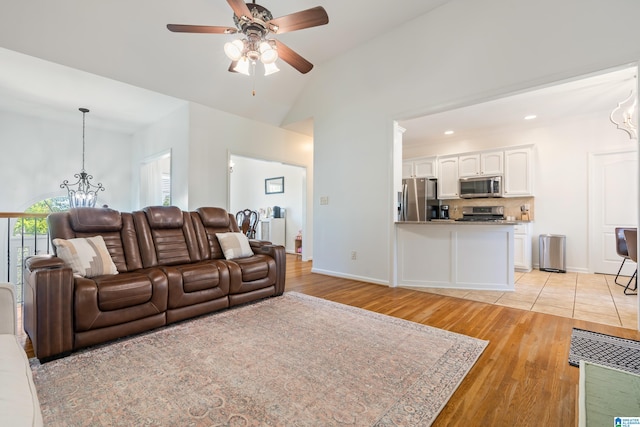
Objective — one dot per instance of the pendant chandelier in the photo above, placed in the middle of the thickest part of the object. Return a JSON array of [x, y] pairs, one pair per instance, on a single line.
[[82, 193], [625, 115]]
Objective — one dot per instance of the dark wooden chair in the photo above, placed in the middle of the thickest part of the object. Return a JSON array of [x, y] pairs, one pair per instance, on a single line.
[[247, 222], [631, 236]]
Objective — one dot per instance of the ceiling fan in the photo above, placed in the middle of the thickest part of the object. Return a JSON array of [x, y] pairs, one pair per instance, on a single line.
[[256, 22]]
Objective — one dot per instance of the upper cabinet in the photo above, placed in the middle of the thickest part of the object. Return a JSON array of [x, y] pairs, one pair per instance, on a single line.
[[420, 168], [518, 180], [489, 163], [514, 164], [448, 187]]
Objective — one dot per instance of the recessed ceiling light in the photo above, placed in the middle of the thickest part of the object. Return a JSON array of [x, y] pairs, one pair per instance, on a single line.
[[530, 117], [448, 132]]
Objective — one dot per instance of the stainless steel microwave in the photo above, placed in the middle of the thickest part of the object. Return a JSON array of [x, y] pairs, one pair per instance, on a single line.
[[481, 186]]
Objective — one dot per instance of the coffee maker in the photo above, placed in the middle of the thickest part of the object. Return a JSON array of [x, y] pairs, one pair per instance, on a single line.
[[444, 212]]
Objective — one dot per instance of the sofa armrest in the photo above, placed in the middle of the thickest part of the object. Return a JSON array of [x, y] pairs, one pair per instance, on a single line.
[[278, 253], [255, 243], [37, 262], [8, 315], [48, 307]]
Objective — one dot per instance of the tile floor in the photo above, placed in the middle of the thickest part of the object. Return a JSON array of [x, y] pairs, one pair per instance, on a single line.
[[593, 297]]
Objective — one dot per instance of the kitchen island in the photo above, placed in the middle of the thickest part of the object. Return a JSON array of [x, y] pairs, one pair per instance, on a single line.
[[456, 255]]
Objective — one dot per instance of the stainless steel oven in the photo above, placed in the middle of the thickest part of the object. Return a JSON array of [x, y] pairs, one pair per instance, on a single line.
[[482, 186]]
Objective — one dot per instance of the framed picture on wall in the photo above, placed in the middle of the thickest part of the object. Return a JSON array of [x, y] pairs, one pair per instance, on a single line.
[[274, 185]]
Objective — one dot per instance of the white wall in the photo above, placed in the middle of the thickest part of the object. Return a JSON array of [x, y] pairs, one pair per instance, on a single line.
[[469, 51], [247, 192], [38, 154], [214, 134]]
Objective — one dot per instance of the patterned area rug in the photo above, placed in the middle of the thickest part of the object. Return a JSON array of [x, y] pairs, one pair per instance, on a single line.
[[605, 350], [293, 360]]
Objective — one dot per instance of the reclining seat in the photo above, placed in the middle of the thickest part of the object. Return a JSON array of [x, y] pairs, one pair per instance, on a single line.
[[254, 277], [167, 240], [82, 311]]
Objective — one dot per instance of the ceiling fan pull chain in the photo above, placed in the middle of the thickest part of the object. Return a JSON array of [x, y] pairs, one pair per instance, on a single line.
[[254, 79]]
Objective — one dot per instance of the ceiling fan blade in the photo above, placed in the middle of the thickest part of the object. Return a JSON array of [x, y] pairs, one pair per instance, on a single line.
[[300, 20], [232, 67], [292, 58], [178, 28], [240, 8]]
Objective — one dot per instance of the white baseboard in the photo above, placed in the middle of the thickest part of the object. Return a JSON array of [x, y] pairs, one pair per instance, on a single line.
[[350, 276]]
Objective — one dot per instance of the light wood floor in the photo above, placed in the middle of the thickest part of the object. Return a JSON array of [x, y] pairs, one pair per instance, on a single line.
[[522, 378]]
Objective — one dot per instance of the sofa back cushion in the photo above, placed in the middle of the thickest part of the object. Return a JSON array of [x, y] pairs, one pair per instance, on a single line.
[[207, 223], [117, 231], [165, 236]]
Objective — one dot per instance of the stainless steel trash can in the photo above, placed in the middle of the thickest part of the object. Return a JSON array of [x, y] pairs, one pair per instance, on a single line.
[[553, 253]]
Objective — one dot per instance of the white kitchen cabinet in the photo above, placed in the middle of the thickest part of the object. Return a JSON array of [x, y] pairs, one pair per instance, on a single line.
[[448, 186], [469, 165], [272, 230], [407, 170], [489, 163], [522, 247], [517, 172], [420, 168]]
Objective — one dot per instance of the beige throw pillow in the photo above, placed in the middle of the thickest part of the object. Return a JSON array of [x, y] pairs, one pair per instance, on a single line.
[[87, 257], [234, 245]]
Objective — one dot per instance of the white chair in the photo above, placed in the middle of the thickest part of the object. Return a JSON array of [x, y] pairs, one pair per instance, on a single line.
[[19, 404]]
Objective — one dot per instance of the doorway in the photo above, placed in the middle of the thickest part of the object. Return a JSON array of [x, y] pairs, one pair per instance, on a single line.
[[248, 179], [155, 180]]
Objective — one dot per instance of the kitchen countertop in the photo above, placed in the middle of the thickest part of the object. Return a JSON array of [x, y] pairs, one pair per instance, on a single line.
[[453, 221]]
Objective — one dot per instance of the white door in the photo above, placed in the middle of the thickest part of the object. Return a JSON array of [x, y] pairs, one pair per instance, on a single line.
[[613, 201]]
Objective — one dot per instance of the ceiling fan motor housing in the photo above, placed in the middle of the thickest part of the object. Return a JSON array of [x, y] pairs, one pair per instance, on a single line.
[[261, 15]]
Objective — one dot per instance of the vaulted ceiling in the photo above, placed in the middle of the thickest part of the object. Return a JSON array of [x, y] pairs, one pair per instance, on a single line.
[[127, 41], [117, 58]]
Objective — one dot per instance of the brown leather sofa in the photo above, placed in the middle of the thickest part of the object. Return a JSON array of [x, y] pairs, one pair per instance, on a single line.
[[170, 266]]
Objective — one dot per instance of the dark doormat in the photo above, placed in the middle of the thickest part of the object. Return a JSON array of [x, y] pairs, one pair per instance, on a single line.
[[606, 350]]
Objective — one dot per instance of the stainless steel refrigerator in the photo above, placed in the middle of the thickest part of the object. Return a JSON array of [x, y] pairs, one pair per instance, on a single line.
[[419, 198]]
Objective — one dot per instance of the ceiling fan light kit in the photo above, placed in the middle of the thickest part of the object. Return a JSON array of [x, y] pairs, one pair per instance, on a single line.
[[256, 22]]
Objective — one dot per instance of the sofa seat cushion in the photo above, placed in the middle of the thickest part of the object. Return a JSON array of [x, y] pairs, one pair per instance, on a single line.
[[254, 268], [113, 300], [121, 292], [249, 274], [19, 405], [195, 283]]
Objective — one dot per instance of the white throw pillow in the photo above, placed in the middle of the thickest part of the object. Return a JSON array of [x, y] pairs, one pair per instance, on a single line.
[[87, 256], [234, 245]]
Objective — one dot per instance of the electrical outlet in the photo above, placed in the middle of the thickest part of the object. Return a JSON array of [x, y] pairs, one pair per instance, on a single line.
[[324, 200], [354, 255]]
